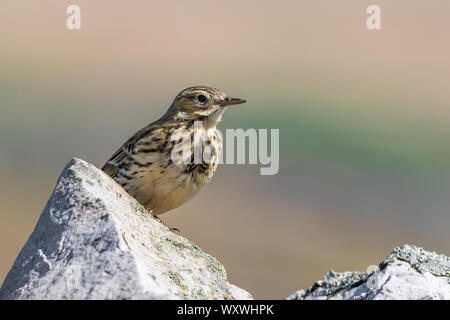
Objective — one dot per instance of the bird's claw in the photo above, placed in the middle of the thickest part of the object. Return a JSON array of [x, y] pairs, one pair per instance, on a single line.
[[175, 230], [172, 229]]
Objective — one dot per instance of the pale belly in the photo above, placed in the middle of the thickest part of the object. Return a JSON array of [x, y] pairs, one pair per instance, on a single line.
[[169, 190], [164, 185]]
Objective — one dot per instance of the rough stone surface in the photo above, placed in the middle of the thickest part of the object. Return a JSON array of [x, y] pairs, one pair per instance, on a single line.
[[93, 241], [408, 273]]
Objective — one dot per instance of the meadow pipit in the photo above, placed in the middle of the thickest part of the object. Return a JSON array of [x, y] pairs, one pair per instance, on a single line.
[[144, 164]]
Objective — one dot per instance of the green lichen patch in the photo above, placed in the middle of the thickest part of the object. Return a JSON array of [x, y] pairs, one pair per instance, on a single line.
[[199, 294], [177, 279], [178, 243], [138, 209], [214, 266]]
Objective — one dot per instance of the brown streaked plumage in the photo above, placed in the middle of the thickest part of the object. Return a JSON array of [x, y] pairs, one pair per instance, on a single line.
[[143, 166]]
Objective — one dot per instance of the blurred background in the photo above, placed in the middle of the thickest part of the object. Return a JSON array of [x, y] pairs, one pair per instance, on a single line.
[[363, 115]]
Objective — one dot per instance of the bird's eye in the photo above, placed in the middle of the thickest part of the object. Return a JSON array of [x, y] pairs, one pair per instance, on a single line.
[[201, 98]]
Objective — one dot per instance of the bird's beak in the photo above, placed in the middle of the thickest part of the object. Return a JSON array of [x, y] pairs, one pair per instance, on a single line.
[[230, 101]]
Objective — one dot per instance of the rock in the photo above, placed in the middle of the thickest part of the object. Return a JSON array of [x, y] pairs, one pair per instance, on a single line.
[[408, 273], [93, 241]]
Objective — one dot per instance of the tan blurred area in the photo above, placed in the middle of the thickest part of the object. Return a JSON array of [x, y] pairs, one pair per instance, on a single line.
[[363, 118]]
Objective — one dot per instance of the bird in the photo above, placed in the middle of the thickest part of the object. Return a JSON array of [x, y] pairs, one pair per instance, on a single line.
[[144, 165]]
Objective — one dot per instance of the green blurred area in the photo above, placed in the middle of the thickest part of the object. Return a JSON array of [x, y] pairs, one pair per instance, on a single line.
[[363, 119]]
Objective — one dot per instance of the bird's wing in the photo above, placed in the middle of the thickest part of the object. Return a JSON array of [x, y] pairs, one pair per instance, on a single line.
[[151, 133], [112, 165]]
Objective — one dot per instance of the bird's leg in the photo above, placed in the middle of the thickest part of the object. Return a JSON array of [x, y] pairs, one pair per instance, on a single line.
[[174, 230]]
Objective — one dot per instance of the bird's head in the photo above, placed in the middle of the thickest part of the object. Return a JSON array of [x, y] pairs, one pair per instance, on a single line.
[[201, 103]]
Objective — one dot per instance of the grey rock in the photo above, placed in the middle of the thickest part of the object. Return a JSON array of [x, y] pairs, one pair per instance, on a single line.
[[94, 241], [408, 273]]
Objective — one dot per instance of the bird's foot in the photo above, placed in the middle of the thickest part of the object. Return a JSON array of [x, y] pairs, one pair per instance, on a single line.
[[175, 230], [172, 229]]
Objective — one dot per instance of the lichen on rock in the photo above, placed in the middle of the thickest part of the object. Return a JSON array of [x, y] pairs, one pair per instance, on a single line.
[[94, 241], [408, 273]]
